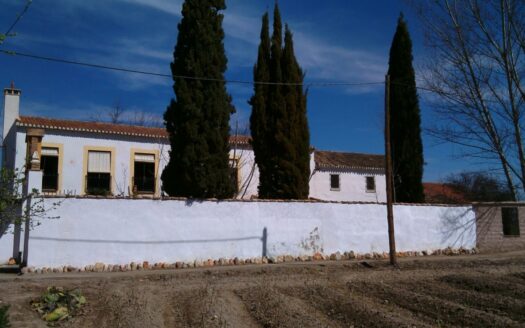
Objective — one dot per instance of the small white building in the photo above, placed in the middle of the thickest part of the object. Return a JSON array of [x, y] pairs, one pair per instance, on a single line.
[[82, 158]]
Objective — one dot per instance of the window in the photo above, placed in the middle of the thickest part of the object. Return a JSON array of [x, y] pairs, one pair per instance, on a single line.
[[334, 182], [98, 179], [234, 174], [511, 223], [370, 184], [49, 167], [144, 173]]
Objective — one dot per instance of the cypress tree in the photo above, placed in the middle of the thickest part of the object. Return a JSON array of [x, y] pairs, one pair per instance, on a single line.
[[284, 162], [258, 124], [197, 120], [275, 117], [297, 131], [405, 122]]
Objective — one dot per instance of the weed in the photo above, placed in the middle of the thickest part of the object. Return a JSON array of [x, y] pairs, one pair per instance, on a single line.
[[4, 317]]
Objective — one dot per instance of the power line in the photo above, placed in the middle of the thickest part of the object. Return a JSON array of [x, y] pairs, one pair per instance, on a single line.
[[18, 17], [195, 78]]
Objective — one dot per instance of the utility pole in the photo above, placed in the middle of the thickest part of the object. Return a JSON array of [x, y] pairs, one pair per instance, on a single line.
[[388, 176]]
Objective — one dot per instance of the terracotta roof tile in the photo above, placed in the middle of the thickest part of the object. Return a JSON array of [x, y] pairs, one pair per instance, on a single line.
[[340, 160], [105, 128]]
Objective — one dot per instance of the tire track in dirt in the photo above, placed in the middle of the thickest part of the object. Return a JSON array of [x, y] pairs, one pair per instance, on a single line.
[[233, 311], [130, 307], [196, 308], [500, 305], [431, 309], [487, 284], [271, 308], [351, 310]]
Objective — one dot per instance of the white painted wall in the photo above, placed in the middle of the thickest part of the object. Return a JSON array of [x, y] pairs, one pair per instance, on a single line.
[[118, 231], [11, 110], [352, 186], [6, 246]]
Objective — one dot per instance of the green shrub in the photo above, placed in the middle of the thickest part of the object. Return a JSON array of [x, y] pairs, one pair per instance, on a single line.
[[58, 304], [4, 317]]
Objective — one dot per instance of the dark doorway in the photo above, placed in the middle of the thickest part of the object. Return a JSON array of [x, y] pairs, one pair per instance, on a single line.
[[49, 166], [144, 177]]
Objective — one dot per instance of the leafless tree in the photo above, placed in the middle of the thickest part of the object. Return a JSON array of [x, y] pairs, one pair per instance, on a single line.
[[476, 73], [119, 114], [116, 113]]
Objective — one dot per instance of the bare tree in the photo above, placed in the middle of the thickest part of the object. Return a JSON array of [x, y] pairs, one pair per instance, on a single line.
[[13, 196], [119, 114], [476, 72], [478, 187], [141, 118], [116, 113], [113, 114]]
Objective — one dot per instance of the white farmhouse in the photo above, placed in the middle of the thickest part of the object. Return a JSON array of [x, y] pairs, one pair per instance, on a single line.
[[83, 158]]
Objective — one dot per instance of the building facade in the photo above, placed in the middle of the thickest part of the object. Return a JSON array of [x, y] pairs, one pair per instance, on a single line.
[[94, 158]]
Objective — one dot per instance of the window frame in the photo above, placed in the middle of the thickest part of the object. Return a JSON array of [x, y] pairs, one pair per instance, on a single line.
[[60, 148], [338, 188], [506, 230], [113, 159], [366, 184], [156, 154]]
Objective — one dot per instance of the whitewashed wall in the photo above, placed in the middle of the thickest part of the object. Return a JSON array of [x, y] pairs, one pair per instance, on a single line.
[[6, 247], [117, 231]]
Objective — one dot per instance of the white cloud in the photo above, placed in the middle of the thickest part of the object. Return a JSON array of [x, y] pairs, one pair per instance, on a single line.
[[83, 112], [242, 27], [172, 7], [327, 62], [322, 61]]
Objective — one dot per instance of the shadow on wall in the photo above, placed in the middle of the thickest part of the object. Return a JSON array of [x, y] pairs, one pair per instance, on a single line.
[[458, 228], [484, 217], [263, 239]]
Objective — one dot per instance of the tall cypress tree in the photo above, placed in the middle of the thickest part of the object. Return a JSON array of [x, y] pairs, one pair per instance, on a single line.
[[298, 135], [258, 124], [405, 122], [284, 162], [197, 119]]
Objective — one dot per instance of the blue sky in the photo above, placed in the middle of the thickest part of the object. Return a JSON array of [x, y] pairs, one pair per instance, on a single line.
[[335, 40]]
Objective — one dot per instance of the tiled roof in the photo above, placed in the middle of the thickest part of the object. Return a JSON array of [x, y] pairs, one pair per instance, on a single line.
[[105, 128], [339, 160]]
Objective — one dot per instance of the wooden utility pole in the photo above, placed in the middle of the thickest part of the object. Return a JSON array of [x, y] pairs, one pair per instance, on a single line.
[[388, 176]]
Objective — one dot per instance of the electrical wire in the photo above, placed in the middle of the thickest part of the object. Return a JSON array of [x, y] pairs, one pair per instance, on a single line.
[[18, 17], [195, 78]]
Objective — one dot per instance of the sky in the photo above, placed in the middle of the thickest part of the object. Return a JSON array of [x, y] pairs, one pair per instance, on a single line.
[[335, 41]]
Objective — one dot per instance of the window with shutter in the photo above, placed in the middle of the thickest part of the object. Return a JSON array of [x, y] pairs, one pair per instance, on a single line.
[[98, 179], [144, 173]]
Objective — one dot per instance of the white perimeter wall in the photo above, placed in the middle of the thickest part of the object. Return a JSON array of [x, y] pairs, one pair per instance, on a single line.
[[118, 231]]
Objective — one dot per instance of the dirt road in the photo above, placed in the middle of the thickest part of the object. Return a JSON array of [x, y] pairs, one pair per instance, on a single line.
[[468, 291]]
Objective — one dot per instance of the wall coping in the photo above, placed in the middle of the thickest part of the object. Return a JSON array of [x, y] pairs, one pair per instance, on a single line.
[[498, 204], [312, 201]]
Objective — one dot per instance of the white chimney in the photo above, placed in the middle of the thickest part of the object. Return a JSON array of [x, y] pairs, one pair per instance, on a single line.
[[11, 109]]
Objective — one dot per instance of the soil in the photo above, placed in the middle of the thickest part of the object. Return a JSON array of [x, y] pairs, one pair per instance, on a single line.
[[468, 291]]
